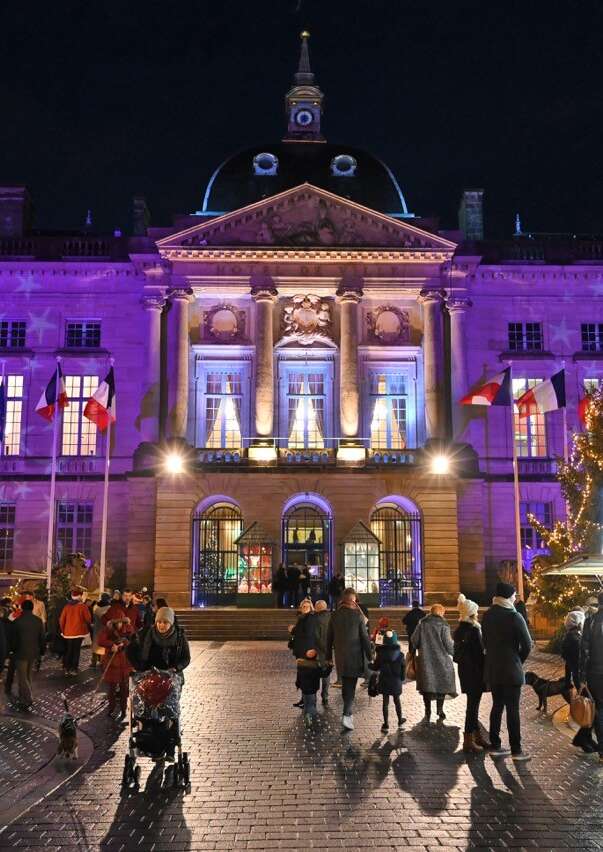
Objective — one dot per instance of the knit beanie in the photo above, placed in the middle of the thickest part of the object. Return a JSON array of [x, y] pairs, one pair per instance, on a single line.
[[390, 637], [467, 608], [105, 599], [575, 618], [504, 590], [76, 593], [165, 613]]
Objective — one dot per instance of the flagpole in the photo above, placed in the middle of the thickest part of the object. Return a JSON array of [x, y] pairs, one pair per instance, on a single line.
[[3, 383], [53, 476], [564, 415], [103, 553], [516, 492]]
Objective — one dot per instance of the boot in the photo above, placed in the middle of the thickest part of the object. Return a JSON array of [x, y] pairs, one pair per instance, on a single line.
[[479, 740], [470, 745]]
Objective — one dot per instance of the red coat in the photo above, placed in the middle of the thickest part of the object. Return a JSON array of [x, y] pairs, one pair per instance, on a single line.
[[75, 620], [117, 668]]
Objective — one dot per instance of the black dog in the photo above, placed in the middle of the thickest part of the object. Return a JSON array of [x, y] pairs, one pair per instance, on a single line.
[[544, 689]]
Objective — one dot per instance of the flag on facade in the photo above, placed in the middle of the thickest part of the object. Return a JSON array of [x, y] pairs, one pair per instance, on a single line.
[[496, 391], [55, 394], [2, 412], [543, 397], [100, 408], [583, 407]]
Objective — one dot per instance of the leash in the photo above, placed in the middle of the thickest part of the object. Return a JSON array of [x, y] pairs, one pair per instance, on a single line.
[[95, 690]]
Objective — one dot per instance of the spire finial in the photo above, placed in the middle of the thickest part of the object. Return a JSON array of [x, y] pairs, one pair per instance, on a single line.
[[304, 76], [518, 231]]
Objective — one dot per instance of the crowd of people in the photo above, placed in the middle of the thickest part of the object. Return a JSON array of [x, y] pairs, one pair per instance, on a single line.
[[128, 631], [294, 583], [490, 658]]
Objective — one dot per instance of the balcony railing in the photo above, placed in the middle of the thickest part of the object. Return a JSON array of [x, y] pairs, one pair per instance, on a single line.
[[537, 467], [270, 455]]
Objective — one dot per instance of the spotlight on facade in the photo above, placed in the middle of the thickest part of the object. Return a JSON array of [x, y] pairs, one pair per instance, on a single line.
[[174, 463], [440, 465]]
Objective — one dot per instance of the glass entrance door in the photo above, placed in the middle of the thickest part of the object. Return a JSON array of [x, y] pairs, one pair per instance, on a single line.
[[306, 543], [216, 555]]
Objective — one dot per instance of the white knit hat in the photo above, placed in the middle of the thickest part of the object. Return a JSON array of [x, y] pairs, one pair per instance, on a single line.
[[467, 608], [575, 618], [165, 613]]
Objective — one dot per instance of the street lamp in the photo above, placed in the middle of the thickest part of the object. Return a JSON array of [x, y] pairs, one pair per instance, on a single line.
[[440, 465], [174, 463]]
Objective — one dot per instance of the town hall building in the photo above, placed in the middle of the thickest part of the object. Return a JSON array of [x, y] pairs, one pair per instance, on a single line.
[[289, 361]]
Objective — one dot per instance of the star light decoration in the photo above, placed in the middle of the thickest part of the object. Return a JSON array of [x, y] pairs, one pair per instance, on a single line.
[[562, 333], [27, 285], [39, 324], [581, 480]]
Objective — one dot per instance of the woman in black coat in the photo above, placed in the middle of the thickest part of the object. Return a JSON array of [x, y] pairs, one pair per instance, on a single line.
[[469, 656], [389, 662], [162, 646], [570, 647]]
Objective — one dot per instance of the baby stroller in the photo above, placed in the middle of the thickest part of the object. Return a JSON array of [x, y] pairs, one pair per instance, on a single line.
[[154, 725]]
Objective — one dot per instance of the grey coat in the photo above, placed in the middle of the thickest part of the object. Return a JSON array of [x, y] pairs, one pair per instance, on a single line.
[[348, 635], [435, 670]]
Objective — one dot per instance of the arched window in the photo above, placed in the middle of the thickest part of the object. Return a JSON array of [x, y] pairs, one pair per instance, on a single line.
[[397, 525], [216, 528], [307, 542]]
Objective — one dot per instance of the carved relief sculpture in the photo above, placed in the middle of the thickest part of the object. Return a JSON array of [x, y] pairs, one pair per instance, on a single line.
[[388, 325], [224, 324], [306, 318]]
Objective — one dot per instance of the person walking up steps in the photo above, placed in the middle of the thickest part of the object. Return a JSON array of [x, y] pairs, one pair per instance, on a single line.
[[348, 637], [508, 644], [469, 656], [389, 662]]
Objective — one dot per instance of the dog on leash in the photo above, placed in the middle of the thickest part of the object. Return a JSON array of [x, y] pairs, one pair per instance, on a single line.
[[68, 745], [545, 689]]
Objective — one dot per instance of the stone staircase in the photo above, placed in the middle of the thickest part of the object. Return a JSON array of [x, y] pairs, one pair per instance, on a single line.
[[224, 624]]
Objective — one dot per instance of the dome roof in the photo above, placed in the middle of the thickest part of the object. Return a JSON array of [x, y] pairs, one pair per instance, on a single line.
[[352, 173]]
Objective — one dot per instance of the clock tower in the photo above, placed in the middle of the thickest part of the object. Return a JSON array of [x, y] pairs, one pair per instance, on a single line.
[[304, 101]]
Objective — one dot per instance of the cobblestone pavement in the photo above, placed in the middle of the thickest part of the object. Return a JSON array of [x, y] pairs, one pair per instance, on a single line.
[[261, 781], [24, 750]]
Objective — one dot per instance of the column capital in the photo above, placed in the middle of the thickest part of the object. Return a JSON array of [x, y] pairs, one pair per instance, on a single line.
[[349, 293], [180, 293], [264, 293], [429, 295], [458, 304], [152, 301]]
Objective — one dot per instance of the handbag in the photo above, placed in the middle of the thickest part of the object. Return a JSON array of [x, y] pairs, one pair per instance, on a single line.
[[411, 665], [582, 708], [373, 685]]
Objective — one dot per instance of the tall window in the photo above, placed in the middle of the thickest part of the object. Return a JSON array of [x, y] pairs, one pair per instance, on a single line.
[[530, 432], [223, 399], [7, 534], [12, 334], [216, 554], [79, 433], [14, 410], [592, 336], [525, 337], [399, 534], [543, 512], [306, 409], [83, 334], [388, 410], [591, 385], [74, 529]]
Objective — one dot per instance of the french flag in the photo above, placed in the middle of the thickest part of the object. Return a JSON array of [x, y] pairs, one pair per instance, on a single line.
[[54, 395], [546, 396], [100, 408], [496, 391], [2, 412]]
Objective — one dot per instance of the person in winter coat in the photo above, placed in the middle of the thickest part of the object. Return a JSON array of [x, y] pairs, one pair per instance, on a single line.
[[303, 639], [469, 656], [131, 609], [98, 611], [74, 623], [389, 662], [3, 642], [570, 647], [411, 619], [591, 667], [336, 587], [29, 640], [114, 639], [304, 609], [347, 635], [162, 646], [435, 672], [322, 617], [508, 644], [293, 573], [280, 585]]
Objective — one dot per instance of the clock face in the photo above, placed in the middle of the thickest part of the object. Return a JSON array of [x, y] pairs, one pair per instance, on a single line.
[[304, 117]]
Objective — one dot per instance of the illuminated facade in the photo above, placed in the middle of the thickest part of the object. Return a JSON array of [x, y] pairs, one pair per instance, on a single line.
[[303, 341]]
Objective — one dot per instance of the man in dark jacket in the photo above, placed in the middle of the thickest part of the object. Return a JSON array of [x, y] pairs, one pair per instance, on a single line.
[[29, 645], [411, 619], [348, 636], [591, 667], [336, 587], [322, 617], [507, 643], [293, 573]]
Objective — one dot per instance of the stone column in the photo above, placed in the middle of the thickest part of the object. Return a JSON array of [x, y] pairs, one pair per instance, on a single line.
[[264, 296], [178, 340], [349, 392], [457, 308], [149, 412], [433, 358]]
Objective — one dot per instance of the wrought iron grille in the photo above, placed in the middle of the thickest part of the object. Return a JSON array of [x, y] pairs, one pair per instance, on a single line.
[[400, 555], [306, 544], [216, 555]]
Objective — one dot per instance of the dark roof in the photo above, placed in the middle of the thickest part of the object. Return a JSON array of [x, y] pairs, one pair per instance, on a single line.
[[234, 184]]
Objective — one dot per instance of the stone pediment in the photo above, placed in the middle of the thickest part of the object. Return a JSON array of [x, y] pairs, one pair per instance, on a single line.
[[306, 216]]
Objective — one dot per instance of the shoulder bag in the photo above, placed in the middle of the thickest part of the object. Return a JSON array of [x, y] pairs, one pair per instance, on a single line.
[[582, 708]]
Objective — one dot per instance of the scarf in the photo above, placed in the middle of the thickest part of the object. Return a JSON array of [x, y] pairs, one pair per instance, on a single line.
[[164, 640], [504, 602], [468, 619]]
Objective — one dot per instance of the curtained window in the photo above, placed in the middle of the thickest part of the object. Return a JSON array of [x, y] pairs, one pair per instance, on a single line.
[[530, 432], [306, 410], [223, 399], [387, 413]]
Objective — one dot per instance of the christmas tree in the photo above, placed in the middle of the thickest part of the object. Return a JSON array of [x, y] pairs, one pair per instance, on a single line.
[[581, 478]]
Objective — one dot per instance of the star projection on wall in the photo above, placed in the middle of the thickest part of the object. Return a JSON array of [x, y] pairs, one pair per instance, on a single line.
[[39, 324], [27, 285], [562, 333]]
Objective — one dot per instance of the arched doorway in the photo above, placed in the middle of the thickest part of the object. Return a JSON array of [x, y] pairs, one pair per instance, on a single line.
[[396, 522], [216, 527], [306, 539]]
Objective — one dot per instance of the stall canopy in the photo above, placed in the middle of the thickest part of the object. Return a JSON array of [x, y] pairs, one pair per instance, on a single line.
[[584, 565]]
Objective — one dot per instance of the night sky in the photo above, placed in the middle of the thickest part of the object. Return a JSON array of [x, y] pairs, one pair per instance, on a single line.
[[99, 101]]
